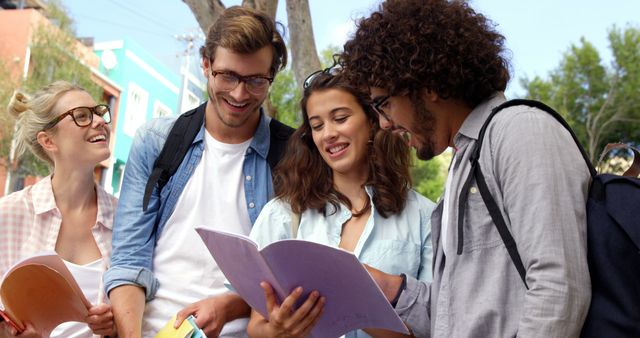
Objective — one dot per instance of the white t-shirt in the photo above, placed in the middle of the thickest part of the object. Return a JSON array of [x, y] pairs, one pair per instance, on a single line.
[[213, 197], [88, 277]]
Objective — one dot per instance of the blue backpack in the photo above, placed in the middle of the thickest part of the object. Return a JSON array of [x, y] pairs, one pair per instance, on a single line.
[[613, 237]]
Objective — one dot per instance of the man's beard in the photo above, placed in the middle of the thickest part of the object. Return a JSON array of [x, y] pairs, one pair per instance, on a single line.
[[424, 129]]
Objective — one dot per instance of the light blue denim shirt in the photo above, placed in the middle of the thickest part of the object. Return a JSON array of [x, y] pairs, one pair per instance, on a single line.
[[133, 241], [398, 244]]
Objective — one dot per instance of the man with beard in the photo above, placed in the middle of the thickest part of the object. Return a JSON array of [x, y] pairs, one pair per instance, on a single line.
[[435, 70], [223, 182]]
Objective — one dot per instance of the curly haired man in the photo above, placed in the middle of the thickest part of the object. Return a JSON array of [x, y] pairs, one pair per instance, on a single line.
[[435, 70]]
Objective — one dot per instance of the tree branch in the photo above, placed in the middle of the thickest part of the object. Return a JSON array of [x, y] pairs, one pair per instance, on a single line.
[[206, 12], [268, 6], [302, 44]]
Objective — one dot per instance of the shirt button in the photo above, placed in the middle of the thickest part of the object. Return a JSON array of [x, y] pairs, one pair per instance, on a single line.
[[252, 205], [473, 190], [249, 151], [248, 177]]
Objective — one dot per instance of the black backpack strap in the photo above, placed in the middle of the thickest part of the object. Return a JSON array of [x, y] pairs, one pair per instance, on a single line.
[[543, 107], [487, 198], [175, 148], [501, 226], [280, 134]]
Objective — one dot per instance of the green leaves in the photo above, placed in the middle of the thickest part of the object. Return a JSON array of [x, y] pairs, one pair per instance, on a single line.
[[600, 102], [285, 98], [52, 58], [429, 176]]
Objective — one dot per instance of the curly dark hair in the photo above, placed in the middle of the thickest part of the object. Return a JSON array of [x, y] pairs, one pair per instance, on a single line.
[[439, 45], [305, 180]]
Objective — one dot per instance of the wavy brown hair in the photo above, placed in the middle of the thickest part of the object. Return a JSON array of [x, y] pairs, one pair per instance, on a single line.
[[438, 45], [305, 180], [245, 30]]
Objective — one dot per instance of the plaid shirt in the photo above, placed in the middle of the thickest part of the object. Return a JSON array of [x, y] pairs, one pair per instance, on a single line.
[[30, 222]]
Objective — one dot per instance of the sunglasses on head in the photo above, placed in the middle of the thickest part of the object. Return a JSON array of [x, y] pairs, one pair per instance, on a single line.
[[333, 70]]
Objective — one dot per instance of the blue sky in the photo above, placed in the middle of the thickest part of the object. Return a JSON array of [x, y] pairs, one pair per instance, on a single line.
[[538, 32]]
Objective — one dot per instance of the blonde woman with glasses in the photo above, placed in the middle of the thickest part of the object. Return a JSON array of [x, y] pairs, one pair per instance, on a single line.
[[66, 212]]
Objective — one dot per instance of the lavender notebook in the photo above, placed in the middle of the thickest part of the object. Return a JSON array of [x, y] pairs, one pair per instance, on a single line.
[[353, 299]]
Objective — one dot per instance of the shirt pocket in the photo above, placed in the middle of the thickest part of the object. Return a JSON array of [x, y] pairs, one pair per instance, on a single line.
[[393, 256], [479, 231]]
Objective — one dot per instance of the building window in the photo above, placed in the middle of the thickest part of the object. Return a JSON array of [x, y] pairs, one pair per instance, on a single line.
[[161, 110], [136, 111], [191, 101]]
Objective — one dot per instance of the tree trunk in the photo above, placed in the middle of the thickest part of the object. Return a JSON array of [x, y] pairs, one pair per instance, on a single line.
[[268, 6], [303, 46], [205, 11]]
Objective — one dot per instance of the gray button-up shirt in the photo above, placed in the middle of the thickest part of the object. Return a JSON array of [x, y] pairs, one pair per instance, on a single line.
[[540, 182]]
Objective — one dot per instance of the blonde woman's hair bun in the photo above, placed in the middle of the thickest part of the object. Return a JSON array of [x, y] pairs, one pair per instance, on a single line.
[[18, 104], [33, 113]]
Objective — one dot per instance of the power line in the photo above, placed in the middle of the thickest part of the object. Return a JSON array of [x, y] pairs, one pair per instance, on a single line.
[[134, 10], [190, 39], [142, 15], [118, 24]]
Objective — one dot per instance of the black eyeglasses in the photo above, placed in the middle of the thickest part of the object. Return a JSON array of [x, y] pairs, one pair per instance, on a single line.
[[377, 107], [334, 70], [83, 116], [228, 81]]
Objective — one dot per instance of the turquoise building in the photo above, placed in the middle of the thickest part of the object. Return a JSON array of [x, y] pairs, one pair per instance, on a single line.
[[149, 89]]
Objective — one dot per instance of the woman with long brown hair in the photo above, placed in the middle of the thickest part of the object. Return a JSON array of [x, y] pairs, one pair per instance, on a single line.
[[348, 183]]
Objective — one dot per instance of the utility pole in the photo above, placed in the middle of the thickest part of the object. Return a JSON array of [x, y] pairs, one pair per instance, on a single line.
[[191, 41]]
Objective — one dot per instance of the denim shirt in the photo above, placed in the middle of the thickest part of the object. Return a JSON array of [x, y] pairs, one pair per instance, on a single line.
[[133, 238], [400, 243]]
